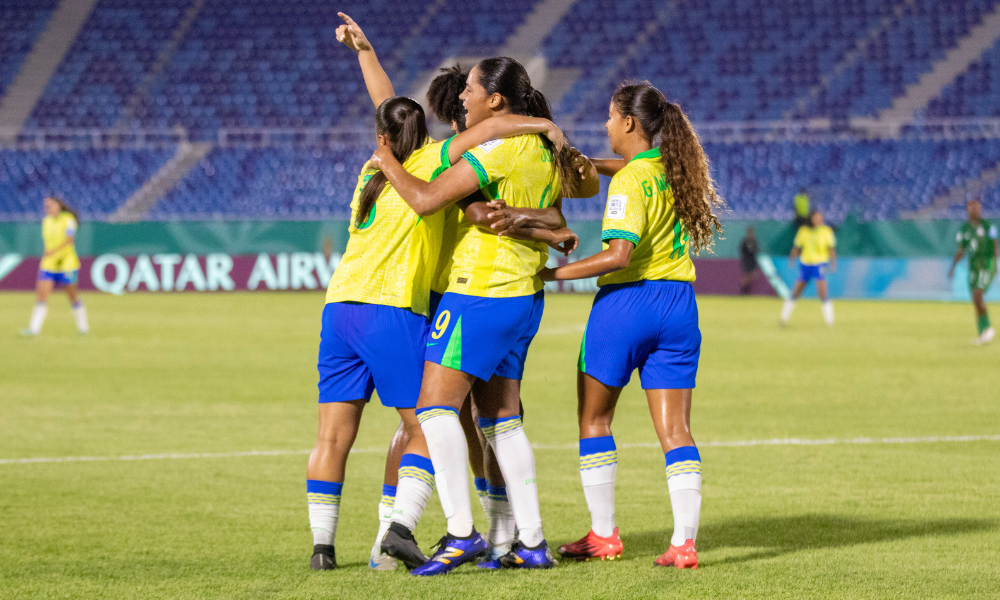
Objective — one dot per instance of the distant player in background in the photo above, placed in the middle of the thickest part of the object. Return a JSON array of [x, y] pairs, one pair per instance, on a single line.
[[59, 265], [659, 209], [979, 239], [815, 247], [748, 261]]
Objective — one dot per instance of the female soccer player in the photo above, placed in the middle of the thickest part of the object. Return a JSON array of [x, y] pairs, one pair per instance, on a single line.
[[488, 316], [660, 209], [443, 99], [59, 265], [815, 246], [979, 239]]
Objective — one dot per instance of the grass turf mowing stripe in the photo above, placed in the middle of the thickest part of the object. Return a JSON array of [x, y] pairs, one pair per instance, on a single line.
[[716, 444]]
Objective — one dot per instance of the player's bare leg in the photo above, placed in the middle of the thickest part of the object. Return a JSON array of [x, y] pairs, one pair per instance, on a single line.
[[43, 289], [789, 305], [671, 413], [338, 428], [79, 310], [596, 403], [979, 303], [826, 306]]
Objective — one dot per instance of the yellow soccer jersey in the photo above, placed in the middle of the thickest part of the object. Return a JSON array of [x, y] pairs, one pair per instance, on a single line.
[[640, 209], [55, 230], [453, 215], [390, 259], [815, 243], [519, 170]]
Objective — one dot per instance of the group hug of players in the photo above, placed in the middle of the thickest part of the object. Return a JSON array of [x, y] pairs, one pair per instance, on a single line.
[[439, 295]]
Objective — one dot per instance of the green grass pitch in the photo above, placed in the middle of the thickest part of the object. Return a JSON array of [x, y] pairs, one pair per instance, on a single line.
[[231, 373]]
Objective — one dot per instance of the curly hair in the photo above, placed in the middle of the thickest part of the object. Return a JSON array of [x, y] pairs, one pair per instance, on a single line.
[[442, 96], [696, 199]]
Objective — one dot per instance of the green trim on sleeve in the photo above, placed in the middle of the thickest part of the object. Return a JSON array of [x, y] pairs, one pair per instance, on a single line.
[[484, 179], [619, 234], [445, 160]]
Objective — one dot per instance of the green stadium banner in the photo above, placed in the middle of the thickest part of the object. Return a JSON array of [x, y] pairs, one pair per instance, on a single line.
[[879, 239]]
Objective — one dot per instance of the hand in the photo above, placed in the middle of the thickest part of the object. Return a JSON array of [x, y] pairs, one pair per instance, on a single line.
[[547, 274], [833, 267], [509, 218], [351, 35], [951, 273], [581, 164], [556, 136], [565, 241], [791, 263], [381, 154]]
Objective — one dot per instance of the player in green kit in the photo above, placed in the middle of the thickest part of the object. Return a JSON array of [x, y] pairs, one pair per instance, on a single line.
[[978, 238]]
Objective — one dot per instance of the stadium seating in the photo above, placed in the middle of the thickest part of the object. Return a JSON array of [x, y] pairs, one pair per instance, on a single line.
[[20, 24], [96, 182], [974, 93], [250, 64]]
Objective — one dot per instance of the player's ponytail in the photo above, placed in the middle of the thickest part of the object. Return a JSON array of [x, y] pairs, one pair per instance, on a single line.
[[684, 160], [402, 121], [507, 77], [63, 207], [442, 97]]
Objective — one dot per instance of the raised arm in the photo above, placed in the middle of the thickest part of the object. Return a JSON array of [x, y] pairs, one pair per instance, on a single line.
[[426, 197], [378, 84]]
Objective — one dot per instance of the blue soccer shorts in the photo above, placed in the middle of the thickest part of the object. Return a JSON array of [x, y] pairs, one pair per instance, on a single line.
[[647, 325], [809, 272], [60, 278], [484, 336], [366, 347]]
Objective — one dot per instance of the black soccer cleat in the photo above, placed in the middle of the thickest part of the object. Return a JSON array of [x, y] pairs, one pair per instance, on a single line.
[[324, 558], [399, 544]]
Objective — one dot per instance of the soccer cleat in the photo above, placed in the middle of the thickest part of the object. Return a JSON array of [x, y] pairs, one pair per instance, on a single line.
[[453, 552], [380, 561], [494, 553], [987, 336], [593, 546], [28, 333], [399, 544], [324, 558], [682, 557], [522, 557]]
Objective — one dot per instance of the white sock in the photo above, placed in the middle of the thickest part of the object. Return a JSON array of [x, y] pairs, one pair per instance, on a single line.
[[38, 317], [517, 463], [598, 466], [786, 310], [450, 456], [483, 491], [684, 484], [416, 482], [80, 315], [502, 526], [324, 509], [827, 308], [385, 511]]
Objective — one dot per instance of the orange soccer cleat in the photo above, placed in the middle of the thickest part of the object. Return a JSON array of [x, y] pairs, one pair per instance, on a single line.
[[682, 557], [593, 546]]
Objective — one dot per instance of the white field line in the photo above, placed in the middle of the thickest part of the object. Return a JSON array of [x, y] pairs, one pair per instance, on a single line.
[[716, 444]]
